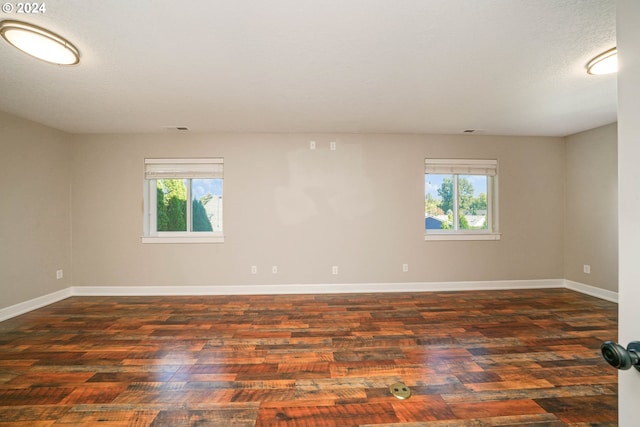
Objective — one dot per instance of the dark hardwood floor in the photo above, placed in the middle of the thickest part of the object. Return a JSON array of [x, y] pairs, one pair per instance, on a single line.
[[488, 358]]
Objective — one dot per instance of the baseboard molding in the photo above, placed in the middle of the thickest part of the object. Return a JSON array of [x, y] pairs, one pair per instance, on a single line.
[[592, 290], [24, 307], [33, 304], [315, 288]]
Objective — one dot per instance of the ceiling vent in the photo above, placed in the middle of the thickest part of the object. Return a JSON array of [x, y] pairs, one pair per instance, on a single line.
[[176, 128]]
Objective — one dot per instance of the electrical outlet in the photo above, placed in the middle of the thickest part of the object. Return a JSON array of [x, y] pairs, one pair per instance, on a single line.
[[274, 269], [334, 269], [312, 145], [405, 268], [254, 269], [586, 269], [332, 146], [59, 274]]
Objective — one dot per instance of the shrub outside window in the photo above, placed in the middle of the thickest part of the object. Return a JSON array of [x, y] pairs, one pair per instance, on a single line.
[[183, 201], [461, 199]]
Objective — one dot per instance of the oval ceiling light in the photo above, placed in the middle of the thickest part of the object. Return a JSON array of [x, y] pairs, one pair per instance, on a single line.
[[605, 63], [39, 43]]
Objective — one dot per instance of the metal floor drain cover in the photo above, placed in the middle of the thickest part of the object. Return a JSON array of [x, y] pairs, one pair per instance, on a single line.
[[400, 391]]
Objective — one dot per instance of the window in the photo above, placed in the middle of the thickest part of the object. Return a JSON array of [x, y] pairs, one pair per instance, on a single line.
[[183, 201], [460, 199]]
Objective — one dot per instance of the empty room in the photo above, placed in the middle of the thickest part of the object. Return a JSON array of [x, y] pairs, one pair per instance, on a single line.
[[319, 213]]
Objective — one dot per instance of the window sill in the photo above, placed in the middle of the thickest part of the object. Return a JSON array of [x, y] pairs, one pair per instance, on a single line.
[[183, 239], [462, 236]]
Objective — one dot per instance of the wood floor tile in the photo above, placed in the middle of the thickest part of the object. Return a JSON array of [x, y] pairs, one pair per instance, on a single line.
[[203, 418], [424, 408], [328, 416], [32, 413], [33, 396], [133, 418], [582, 409], [485, 358], [496, 408]]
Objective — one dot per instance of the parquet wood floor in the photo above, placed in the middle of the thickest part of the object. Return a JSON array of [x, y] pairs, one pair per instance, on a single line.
[[488, 358]]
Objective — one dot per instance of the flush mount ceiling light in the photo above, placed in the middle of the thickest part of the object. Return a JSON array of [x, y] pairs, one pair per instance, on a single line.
[[39, 43], [605, 63]]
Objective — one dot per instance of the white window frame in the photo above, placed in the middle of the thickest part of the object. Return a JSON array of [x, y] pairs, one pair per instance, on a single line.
[[154, 169], [456, 167]]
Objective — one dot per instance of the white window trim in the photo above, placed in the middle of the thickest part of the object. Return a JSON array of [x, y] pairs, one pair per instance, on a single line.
[[438, 235], [183, 239], [198, 169], [467, 167]]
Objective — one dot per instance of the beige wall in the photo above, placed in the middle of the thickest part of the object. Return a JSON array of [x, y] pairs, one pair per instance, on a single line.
[[35, 210], [591, 207], [360, 207]]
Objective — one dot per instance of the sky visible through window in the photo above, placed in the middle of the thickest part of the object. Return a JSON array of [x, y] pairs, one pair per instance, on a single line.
[[201, 187], [432, 182]]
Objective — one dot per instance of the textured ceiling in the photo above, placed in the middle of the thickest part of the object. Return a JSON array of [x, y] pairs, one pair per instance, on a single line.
[[504, 67]]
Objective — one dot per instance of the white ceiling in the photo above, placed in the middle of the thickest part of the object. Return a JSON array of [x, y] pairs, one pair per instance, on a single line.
[[504, 67]]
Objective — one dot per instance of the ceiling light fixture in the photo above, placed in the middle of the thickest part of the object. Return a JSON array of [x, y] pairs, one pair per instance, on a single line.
[[39, 43], [605, 63]]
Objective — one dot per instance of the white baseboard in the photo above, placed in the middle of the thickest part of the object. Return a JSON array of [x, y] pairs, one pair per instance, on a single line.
[[33, 304], [315, 288], [592, 290], [24, 307]]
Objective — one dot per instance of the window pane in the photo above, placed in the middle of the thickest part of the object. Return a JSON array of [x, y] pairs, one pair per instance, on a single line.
[[472, 202], [172, 205], [206, 204], [438, 202]]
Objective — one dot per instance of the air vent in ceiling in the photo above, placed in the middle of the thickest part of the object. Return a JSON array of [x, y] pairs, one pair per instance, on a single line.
[[175, 128]]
